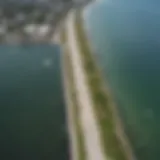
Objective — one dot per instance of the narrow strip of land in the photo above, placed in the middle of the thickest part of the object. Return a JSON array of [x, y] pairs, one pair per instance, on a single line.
[[77, 149], [70, 113], [113, 137], [92, 142]]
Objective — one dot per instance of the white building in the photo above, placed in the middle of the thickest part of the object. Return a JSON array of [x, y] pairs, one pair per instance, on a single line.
[[30, 29], [42, 30]]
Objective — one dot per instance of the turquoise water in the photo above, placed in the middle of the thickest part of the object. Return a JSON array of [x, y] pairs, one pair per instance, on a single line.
[[125, 37], [32, 116]]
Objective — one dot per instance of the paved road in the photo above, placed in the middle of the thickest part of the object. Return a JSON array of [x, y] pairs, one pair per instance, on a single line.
[[87, 116]]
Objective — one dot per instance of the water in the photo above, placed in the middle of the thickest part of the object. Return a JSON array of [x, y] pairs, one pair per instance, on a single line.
[[125, 37], [32, 116]]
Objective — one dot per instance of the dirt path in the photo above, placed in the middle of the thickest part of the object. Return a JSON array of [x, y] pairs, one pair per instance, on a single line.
[[88, 120]]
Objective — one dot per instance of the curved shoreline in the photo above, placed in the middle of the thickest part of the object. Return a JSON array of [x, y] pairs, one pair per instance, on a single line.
[[118, 124], [77, 149], [89, 125]]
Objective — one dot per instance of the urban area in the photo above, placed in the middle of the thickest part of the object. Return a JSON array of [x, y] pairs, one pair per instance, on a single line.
[[31, 21]]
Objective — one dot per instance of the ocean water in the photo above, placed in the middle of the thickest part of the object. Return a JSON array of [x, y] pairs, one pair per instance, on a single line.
[[125, 38], [32, 109]]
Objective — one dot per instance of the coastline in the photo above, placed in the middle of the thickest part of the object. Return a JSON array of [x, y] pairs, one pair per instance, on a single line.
[[118, 124], [77, 148]]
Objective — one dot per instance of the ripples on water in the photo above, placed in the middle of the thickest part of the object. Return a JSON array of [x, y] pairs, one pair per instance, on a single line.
[[126, 40]]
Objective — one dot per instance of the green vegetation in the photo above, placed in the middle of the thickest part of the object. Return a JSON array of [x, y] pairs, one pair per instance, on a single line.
[[102, 102], [63, 37], [73, 97]]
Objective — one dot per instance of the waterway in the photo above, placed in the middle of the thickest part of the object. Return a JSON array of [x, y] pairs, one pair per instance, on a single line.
[[32, 110], [125, 38]]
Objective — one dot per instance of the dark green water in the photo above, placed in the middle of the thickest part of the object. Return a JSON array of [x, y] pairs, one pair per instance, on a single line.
[[32, 116], [125, 36]]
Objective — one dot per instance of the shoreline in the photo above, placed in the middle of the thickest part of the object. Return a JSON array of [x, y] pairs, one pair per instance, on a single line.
[[88, 120], [118, 124], [77, 148]]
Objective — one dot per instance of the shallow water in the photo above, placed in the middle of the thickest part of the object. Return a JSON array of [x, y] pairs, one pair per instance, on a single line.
[[125, 38], [32, 110]]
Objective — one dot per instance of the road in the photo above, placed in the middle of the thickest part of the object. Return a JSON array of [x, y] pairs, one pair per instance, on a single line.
[[87, 116]]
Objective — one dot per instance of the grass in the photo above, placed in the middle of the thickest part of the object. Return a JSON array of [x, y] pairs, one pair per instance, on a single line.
[[63, 36], [102, 103], [73, 96]]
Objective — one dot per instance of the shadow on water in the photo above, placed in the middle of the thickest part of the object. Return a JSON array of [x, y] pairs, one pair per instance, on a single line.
[[32, 109]]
